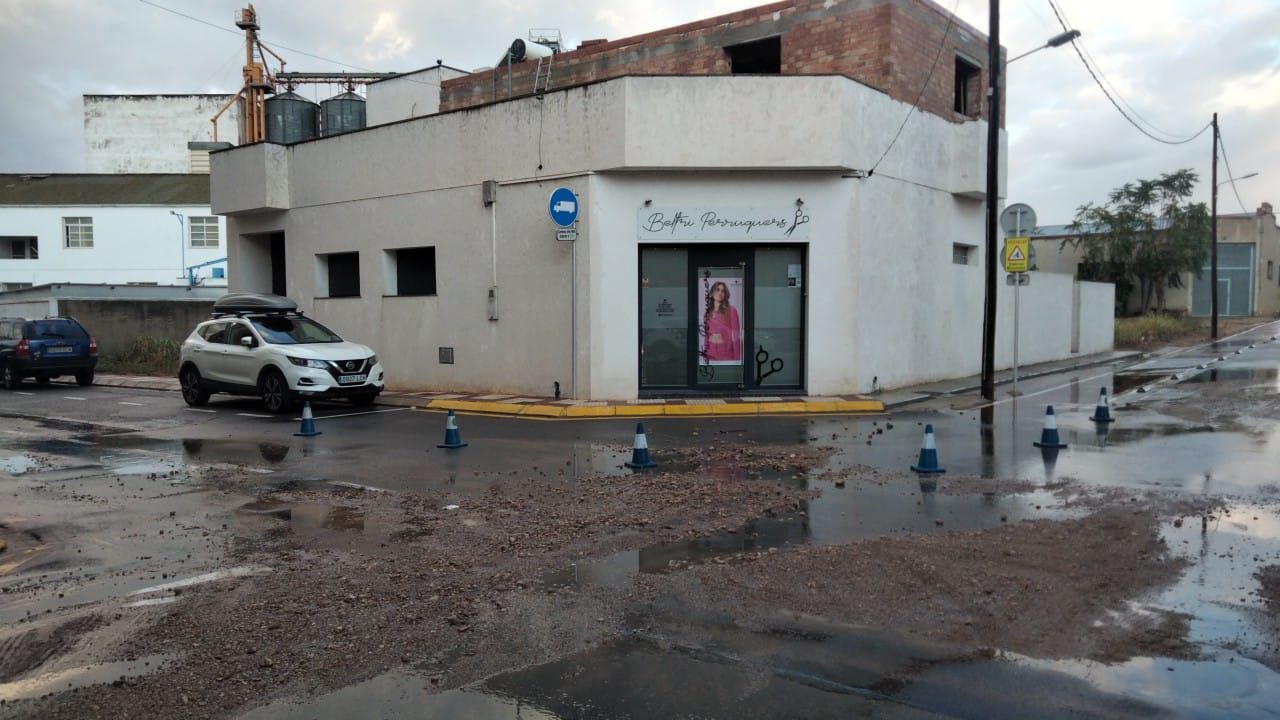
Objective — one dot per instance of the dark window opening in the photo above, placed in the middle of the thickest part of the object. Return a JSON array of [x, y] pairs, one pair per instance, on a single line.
[[344, 274], [968, 77], [415, 271], [761, 57], [19, 248]]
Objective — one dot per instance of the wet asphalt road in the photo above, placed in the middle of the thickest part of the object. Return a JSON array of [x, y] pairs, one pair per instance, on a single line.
[[109, 442]]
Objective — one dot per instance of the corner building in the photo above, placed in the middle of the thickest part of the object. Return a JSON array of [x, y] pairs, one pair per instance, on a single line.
[[731, 238]]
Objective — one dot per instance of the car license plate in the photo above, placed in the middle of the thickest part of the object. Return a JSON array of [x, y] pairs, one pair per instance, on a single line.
[[59, 350], [346, 379]]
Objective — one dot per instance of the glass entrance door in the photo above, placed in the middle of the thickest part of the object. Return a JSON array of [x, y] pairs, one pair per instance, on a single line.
[[723, 320]]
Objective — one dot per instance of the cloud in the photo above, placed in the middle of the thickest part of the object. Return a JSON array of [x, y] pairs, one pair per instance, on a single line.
[[385, 40]]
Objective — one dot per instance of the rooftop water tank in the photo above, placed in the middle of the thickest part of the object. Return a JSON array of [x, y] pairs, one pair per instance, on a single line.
[[291, 118], [342, 113]]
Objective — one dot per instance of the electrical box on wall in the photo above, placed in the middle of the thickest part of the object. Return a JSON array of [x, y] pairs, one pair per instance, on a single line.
[[493, 303], [489, 192]]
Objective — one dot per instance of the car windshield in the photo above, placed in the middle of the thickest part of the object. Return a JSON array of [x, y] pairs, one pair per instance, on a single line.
[[53, 330], [285, 330]]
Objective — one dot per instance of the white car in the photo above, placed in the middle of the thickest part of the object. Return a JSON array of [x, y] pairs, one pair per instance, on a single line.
[[261, 345]]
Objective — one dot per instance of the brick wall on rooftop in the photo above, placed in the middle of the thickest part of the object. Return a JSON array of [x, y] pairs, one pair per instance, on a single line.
[[889, 45]]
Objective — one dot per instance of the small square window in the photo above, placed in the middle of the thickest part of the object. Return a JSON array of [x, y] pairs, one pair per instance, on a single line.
[[77, 232], [760, 57], [338, 275], [203, 232], [410, 271], [961, 254]]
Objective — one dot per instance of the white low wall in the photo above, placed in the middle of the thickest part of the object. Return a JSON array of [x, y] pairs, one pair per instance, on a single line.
[[1097, 317]]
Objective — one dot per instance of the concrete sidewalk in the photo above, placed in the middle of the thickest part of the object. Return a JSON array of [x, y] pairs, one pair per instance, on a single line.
[[957, 386], [544, 407]]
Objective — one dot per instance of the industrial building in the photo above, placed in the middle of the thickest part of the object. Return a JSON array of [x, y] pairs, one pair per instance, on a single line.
[[1248, 255], [785, 200]]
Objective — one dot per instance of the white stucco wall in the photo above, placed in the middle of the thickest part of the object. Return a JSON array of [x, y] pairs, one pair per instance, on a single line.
[[408, 96], [885, 301], [131, 244], [149, 133]]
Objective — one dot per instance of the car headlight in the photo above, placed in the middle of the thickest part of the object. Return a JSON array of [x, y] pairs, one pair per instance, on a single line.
[[304, 362], [373, 360]]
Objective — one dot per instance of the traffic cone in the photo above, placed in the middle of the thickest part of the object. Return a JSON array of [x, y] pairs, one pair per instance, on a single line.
[[928, 462], [640, 451], [308, 428], [1049, 436], [452, 436], [1103, 412]]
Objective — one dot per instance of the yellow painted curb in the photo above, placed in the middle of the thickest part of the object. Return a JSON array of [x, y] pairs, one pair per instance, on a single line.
[[542, 410], [868, 406], [784, 407], [639, 410], [736, 409], [685, 410], [589, 411]]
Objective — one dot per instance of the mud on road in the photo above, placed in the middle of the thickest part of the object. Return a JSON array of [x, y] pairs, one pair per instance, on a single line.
[[342, 584]]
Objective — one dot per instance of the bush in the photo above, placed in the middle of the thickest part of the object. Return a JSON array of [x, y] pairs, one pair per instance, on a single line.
[[1132, 331], [146, 355]]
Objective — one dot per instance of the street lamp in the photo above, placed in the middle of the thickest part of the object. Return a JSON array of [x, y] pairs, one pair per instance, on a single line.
[[1242, 177], [1056, 41], [182, 242], [993, 187]]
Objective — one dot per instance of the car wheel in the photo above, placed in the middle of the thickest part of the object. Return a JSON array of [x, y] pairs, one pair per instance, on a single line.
[[192, 393], [43, 380], [363, 400], [276, 395], [84, 378], [9, 378]]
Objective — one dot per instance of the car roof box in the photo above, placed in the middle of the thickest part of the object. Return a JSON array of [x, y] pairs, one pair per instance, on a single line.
[[239, 303]]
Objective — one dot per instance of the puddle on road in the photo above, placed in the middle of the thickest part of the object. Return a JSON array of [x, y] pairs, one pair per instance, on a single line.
[[1235, 374], [820, 670], [78, 677], [1125, 382], [1220, 589], [320, 525], [17, 464]]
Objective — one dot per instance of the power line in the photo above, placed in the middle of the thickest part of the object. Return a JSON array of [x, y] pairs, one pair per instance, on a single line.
[[946, 32], [1105, 91], [277, 45], [1231, 177]]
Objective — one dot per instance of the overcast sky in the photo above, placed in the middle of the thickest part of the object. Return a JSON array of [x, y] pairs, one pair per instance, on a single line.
[[1174, 61]]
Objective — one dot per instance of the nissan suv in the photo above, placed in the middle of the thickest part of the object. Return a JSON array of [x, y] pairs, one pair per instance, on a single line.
[[261, 345], [45, 349]]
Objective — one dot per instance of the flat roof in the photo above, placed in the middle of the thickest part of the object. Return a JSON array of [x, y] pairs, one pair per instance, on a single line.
[[104, 189]]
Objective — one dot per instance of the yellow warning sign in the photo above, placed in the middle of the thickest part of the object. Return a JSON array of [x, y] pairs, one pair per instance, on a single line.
[[1016, 255]]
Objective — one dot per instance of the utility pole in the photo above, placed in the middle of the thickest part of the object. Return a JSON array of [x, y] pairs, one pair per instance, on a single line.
[[993, 191], [1213, 241]]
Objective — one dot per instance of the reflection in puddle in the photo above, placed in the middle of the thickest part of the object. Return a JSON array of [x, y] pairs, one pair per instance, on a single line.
[[1234, 374], [819, 670], [1125, 382], [62, 680], [16, 464]]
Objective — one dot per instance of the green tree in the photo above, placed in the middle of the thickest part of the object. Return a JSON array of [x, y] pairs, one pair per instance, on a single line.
[[1146, 233]]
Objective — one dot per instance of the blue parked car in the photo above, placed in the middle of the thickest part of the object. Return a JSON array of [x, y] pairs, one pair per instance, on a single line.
[[45, 349]]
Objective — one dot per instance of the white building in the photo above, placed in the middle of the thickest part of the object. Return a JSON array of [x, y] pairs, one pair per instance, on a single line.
[[430, 240], [410, 95], [155, 133], [116, 229]]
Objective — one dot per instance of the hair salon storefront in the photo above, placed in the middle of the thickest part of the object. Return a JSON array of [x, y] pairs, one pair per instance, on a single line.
[[722, 301]]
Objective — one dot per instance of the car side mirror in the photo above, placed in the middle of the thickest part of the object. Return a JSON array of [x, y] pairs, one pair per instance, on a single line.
[[247, 341]]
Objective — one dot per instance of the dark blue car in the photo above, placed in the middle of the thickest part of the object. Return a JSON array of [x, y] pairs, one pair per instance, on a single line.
[[45, 349]]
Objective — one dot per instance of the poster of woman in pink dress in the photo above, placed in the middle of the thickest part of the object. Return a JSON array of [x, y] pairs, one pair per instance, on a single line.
[[722, 323]]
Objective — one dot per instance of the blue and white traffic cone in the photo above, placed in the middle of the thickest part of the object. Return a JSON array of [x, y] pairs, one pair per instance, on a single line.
[[640, 451], [308, 428], [1049, 436], [1103, 412], [928, 462], [452, 436]]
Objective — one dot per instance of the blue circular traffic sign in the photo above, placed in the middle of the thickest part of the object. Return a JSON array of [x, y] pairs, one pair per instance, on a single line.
[[563, 207]]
